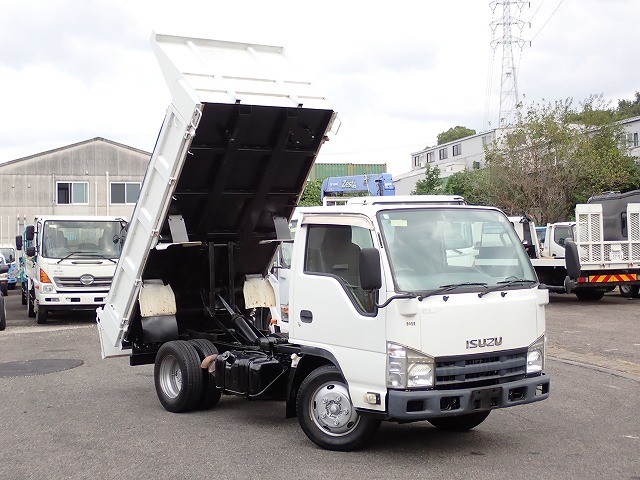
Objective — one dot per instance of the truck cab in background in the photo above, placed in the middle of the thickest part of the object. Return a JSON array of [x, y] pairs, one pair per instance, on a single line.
[[8, 252], [70, 262]]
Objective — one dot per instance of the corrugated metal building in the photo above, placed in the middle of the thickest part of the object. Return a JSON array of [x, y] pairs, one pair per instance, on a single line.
[[326, 170], [94, 177]]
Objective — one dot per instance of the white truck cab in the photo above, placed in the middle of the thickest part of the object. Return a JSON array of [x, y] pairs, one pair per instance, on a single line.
[[71, 263]]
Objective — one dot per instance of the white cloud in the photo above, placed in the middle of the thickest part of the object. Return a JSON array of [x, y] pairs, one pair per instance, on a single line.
[[398, 73]]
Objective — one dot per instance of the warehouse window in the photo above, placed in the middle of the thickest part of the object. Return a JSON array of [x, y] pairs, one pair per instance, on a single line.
[[126, 193], [457, 149], [430, 157], [73, 193], [442, 153]]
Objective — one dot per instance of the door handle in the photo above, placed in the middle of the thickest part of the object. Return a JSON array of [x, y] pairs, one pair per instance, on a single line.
[[306, 316]]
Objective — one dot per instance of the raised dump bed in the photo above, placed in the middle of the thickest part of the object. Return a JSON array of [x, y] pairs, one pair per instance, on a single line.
[[230, 163]]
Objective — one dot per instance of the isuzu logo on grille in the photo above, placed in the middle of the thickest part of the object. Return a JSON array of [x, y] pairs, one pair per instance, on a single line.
[[484, 342], [86, 279]]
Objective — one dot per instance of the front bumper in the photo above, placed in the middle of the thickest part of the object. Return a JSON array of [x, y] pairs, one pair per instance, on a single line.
[[406, 405], [72, 300]]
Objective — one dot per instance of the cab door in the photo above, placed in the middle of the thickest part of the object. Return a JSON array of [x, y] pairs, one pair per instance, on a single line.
[[329, 310]]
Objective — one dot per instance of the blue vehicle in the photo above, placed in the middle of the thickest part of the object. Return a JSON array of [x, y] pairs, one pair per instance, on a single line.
[[337, 190], [8, 252]]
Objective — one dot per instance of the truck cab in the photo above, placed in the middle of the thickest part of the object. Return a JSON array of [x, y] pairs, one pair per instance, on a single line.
[[71, 262]]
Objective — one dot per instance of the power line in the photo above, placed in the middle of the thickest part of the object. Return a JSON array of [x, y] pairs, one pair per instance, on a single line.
[[545, 23]]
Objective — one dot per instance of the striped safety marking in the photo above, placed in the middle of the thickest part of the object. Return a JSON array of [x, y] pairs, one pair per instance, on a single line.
[[619, 277]]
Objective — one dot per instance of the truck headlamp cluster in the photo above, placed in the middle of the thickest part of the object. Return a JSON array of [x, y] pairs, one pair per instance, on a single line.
[[535, 356], [408, 368], [47, 288]]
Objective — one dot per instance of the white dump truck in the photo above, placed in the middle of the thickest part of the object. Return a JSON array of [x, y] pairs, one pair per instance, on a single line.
[[385, 322], [70, 262]]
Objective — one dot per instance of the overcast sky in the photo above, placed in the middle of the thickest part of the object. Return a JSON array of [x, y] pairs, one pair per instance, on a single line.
[[72, 70]]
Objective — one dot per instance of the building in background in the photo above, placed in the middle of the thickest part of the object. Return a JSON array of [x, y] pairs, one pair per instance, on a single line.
[[467, 154], [94, 177]]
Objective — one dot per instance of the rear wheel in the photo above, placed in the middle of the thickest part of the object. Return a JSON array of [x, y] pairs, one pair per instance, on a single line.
[[629, 291], [210, 392], [460, 423], [178, 376], [590, 294], [23, 294], [326, 414]]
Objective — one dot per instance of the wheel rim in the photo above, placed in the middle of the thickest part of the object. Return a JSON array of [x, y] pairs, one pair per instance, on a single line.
[[331, 410], [170, 376]]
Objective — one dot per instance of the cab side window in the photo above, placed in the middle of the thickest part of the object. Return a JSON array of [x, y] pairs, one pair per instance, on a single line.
[[335, 250]]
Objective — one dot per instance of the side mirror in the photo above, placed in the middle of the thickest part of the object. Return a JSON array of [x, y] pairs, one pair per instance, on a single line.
[[30, 251], [370, 272], [572, 259], [18, 242], [29, 232]]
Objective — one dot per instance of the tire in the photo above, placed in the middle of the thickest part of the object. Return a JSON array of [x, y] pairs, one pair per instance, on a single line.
[[31, 308], [210, 392], [629, 291], [41, 315], [590, 294], [4, 291], [3, 314], [23, 294], [322, 402], [178, 376], [460, 423]]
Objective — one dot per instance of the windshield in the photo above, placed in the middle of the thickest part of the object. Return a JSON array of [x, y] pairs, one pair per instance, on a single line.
[[472, 249], [81, 239], [8, 253]]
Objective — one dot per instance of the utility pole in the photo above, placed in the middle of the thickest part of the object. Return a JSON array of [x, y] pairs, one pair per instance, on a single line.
[[509, 80]]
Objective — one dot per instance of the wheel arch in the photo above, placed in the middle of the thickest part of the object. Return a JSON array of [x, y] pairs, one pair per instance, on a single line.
[[311, 359]]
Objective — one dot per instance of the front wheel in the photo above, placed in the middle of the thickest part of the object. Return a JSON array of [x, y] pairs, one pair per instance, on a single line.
[[41, 315], [326, 414], [460, 423], [178, 376], [3, 314], [31, 307]]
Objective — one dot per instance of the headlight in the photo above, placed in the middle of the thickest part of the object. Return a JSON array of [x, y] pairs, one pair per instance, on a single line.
[[47, 288], [408, 368], [535, 356]]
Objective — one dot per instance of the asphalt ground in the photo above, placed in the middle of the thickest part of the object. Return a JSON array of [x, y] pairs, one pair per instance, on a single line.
[[89, 418]]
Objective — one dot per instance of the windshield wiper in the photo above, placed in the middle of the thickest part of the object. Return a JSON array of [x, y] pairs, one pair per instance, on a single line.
[[506, 283], [446, 288], [87, 254]]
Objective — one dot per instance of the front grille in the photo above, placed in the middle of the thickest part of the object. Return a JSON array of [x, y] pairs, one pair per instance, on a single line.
[[74, 282], [470, 371]]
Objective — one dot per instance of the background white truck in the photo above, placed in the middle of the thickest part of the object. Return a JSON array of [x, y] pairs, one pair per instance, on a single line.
[[594, 256], [382, 325], [71, 262]]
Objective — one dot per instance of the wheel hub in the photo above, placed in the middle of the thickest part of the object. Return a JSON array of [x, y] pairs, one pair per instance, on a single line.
[[332, 410]]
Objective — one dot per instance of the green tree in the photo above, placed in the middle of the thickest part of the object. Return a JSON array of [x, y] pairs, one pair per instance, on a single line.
[[431, 183], [472, 185], [628, 108], [455, 133], [311, 194], [547, 163]]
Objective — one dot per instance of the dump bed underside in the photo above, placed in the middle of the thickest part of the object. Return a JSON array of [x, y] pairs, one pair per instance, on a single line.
[[229, 166]]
